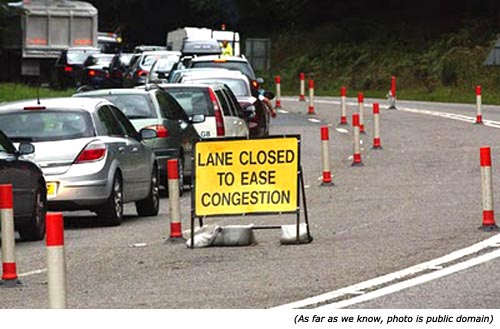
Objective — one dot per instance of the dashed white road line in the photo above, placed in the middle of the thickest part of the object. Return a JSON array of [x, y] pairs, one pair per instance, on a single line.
[[30, 273]]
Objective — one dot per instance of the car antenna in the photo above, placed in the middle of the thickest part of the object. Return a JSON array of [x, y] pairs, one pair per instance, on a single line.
[[38, 92]]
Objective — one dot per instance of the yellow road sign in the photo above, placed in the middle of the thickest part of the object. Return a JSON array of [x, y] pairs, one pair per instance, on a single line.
[[246, 176]]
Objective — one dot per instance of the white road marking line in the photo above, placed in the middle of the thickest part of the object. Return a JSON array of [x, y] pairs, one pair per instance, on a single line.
[[313, 120], [342, 130], [415, 281], [385, 279], [30, 273]]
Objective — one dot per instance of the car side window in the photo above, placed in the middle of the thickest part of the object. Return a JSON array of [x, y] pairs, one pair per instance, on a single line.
[[234, 103], [124, 122], [224, 103], [112, 126], [169, 107]]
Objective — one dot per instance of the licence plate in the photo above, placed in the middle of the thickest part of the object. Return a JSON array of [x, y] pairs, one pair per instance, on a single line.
[[51, 189]]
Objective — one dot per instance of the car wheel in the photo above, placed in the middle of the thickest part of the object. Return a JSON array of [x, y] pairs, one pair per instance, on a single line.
[[111, 212], [35, 231], [151, 205]]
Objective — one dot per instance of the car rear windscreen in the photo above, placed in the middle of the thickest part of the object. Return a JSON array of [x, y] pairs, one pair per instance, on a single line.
[[237, 86], [243, 67], [134, 106], [193, 100], [46, 125]]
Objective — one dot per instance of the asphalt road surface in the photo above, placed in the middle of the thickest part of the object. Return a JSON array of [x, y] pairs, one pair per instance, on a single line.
[[416, 200]]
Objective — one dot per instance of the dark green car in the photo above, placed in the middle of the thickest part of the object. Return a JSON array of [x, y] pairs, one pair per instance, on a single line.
[[156, 109]]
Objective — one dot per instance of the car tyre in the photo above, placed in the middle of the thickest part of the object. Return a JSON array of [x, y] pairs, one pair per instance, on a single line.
[[151, 205], [111, 212], [35, 231]]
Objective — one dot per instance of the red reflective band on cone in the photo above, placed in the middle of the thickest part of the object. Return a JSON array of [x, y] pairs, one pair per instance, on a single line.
[[173, 169], [479, 119], [175, 230], [488, 217], [478, 90], [327, 177], [355, 120], [324, 133], [9, 271], [376, 142], [393, 86], [361, 97], [485, 157], [55, 229], [302, 76], [278, 79], [376, 108], [311, 84], [357, 158], [6, 196], [278, 103], [343, 91]]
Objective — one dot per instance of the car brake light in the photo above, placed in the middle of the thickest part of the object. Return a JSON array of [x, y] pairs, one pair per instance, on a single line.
[[255, 84], [161, 131], [142, 73], [34, 108], [92, 152], [219, 121], [68, 69], [220, 60], [92, 73]]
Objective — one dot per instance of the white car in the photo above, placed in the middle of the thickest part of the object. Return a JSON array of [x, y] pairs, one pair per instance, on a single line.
[[217, 103]]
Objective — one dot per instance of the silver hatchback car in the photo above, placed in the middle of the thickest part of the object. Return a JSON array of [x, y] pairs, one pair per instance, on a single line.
[[92, 157]]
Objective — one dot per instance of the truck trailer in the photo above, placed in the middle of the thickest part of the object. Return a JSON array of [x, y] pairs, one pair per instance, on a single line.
[[36, 32]]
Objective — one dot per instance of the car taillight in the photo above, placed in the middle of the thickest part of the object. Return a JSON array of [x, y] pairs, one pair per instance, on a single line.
[[34, 108], [255, 84], [92, 73], [92, 152], [118, 74], [142, 73], [219, 120], [161, 131], [68, 69]]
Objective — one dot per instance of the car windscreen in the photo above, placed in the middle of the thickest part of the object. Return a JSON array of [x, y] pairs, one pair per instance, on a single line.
[[243, 67], [165, 64], [134, 106], [193, 100], [46, 125], [237, 86]]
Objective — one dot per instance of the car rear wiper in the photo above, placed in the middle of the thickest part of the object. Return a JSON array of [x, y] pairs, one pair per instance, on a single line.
[[138, 117], [20, 139]]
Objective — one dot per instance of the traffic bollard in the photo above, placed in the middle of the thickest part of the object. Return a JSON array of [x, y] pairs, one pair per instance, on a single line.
[[361, 100], [479, 116], [376, 126], [302, 97], [56, 266], [174, 201], [487, 190], [278, 92], [310, 110], [9, 268], [356, 160], [343, 102], [392, 94], [325, 156]]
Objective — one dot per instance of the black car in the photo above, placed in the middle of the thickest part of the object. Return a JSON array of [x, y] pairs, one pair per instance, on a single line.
[[29, 189], [69, 66], [96, 72]]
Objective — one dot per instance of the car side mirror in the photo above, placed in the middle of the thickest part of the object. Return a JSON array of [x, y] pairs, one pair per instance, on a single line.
[[162, 75], [197, 118], [249, 112], [147, 133], [26, 148]]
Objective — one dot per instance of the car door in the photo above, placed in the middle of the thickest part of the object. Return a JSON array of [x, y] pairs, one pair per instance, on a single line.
[[138, 158], [238, 112], [117, 147], [234, 125]]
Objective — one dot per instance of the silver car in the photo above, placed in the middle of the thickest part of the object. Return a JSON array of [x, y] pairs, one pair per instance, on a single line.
[[92, 157]]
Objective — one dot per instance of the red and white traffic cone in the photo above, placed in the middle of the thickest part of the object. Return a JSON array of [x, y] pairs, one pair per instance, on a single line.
[[325, 156], [376, 126], [356, 159], [56, 265], [392, 94], [302, 97], [174, 201], [361, 100], [9, 269], [343, 102], [310, 109], [278, 92], [479, 116], [487, 189]]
